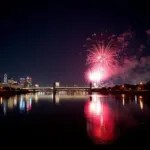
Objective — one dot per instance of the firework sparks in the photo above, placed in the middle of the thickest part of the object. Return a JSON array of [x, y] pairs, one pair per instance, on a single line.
[[94, 74], [103, 56], [103, 59], [112, 57]]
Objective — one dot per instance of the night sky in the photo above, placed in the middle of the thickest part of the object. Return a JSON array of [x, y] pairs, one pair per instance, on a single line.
[[45, 40]]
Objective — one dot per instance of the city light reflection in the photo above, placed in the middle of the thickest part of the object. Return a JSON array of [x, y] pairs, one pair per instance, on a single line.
[[25, 102], [15, 101], [27, 96], [22, 104], [21, 98], [135, 99], [57, 99], [141, 102], [123, 99], [10, 103], [1, 100], [4, 107], [29, 104], [36, 97]]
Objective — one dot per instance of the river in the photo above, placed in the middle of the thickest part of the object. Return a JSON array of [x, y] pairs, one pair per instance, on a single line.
[[77, 120]]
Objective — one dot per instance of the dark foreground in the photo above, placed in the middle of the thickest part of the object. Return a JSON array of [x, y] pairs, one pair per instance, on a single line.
[[33, 120]]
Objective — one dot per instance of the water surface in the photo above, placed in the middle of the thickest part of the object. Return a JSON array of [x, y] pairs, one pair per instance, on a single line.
[[77, 120]]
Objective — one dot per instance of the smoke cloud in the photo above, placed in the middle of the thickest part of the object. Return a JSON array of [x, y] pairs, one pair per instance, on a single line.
[[134, 68]]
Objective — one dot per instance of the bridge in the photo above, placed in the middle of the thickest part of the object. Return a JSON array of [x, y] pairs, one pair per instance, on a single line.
[[58, 88], [54, 90]]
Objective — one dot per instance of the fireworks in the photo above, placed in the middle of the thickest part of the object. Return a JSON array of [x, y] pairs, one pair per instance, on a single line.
[[116, 57], [102, 59], [102, 56], [94, 74]]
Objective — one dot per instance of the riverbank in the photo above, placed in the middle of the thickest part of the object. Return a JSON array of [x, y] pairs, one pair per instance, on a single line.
[[127, 92], [13, 92]]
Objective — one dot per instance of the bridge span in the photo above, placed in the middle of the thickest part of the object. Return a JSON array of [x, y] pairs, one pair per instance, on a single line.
[[57, 88]]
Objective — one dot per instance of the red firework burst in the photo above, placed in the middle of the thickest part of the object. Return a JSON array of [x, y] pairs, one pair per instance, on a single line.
[[102, 56], [94, 74]]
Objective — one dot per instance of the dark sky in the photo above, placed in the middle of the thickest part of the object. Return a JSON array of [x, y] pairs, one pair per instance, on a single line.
[[44, 40]]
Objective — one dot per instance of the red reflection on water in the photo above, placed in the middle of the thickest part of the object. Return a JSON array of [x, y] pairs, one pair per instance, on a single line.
[[29, 106], [100, 121]]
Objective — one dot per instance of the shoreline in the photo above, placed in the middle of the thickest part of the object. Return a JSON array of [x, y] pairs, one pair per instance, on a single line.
[[146, 92], [99, 91], [13, 92]]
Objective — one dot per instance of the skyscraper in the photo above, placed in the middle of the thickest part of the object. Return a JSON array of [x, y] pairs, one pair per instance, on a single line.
[[29, 81], [22, 81], [5, 78]]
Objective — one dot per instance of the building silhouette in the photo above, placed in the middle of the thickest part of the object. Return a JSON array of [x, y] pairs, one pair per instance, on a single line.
[[11, 81], [22, 81], [5, 78], [28, 82]]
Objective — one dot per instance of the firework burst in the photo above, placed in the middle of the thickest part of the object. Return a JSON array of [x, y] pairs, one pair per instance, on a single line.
[[103, 57], [112, 57], [94, 74]]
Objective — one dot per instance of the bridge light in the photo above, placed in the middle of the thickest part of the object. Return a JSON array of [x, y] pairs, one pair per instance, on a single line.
[[141, 83], [36, 85]]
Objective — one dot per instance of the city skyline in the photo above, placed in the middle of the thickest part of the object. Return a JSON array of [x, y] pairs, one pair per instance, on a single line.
[[21, 81]]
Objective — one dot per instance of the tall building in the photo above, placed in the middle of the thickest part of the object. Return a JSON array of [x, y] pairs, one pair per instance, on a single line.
[[22, 81], [29, 81], [5, 78]]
